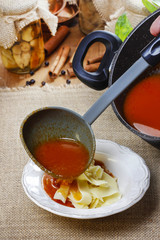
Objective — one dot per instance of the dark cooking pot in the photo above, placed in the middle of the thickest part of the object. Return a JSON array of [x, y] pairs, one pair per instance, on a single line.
[[126, 56], [118, 58]]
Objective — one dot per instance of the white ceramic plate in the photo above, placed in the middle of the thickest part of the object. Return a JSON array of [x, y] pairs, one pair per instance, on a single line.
[[130, 169]]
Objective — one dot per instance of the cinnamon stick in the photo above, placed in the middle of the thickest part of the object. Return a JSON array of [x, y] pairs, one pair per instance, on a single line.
[[56, 40], [89, 68], [70, 72], [71, 59], [62, 58], [53, 66], [92, 67], [94, 60]]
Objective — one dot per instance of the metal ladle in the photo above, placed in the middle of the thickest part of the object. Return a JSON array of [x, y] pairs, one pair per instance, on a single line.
[[56, 122]]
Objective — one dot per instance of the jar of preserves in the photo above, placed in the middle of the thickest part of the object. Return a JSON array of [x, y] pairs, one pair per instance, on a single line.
[[27, 53], [89, 18], [21, 39]]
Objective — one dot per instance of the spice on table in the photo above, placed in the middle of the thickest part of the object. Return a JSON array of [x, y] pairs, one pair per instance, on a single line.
[[27, 83], [32, 81], [70, 72], [59, 62], [46, 63], [56, 40], [92, 67], [43, 83], [89, 68], [68, 81], [31, 72], [63, 72], [71, 59], [50, 73], [53, 66], [94, 60]]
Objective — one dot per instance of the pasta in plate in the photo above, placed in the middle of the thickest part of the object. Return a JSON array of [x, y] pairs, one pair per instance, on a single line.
[[92, 189]]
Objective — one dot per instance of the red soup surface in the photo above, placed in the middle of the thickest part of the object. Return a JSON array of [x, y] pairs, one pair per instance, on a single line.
[[66, 158], [142, 106], [51, 185]]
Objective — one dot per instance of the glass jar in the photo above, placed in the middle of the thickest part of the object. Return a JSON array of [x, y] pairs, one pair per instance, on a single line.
[[27, 53], [89, 19]]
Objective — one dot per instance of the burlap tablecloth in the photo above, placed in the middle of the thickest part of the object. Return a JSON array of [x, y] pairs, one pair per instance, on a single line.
[[20, 218]]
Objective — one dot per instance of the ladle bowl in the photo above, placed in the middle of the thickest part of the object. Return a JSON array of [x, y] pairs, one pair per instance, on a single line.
[[51, 123]]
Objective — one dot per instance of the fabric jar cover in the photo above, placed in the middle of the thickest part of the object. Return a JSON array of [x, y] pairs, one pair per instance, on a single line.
[[14, 15]]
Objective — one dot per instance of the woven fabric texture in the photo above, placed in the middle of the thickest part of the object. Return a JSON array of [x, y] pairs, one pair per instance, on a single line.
[[20, 218]]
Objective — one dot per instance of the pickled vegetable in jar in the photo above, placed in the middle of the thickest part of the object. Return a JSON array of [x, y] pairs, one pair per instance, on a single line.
[[27, 53], [21, 40]]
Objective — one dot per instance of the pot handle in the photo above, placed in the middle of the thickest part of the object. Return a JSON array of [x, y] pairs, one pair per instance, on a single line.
[[97, 80], [151, 53]]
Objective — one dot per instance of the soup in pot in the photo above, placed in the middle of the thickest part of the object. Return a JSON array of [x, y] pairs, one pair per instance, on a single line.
[[142, 106]]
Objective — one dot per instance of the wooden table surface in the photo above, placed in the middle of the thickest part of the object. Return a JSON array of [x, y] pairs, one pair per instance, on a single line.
[[8, 79]]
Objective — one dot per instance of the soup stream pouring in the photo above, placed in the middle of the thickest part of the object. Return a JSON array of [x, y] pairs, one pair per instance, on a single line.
[[56, 122]]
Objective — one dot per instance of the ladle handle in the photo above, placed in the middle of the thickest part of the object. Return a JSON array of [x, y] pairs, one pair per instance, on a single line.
[[97, 80], [151, 53]]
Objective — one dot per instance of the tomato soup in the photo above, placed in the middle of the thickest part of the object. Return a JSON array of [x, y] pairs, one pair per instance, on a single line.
[[66, 158], [51, 185], [142, 106]]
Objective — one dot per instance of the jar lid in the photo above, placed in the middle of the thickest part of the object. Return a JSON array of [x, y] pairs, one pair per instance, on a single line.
[[15, 15], [9, 7]]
